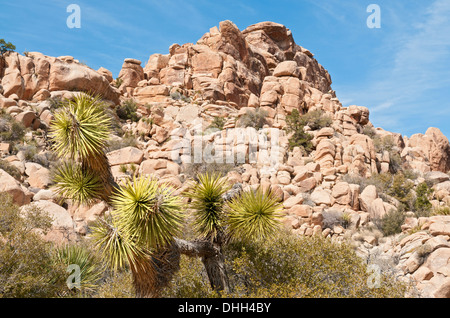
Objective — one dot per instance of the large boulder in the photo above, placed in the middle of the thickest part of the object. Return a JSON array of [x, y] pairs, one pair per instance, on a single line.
[[61, 218], [8, 184], [131, 74], [27, 75], [434, 147], [127, 155]]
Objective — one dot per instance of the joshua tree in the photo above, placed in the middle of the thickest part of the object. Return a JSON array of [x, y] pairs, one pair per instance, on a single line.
[[143, 228]]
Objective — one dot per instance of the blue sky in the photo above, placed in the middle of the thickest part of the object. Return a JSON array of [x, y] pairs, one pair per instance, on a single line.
[[400, 71]]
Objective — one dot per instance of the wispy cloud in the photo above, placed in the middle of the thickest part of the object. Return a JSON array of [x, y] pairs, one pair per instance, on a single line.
[[414, 64]]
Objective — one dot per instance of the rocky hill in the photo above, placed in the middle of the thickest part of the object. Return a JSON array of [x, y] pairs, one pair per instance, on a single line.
[[232, 95]]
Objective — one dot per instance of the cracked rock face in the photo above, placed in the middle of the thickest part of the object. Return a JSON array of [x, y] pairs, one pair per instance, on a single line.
[[197, 95]]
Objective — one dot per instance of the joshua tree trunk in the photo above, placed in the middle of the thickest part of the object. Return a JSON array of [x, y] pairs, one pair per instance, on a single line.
[[100, 165], [212, 258], [150, 277]]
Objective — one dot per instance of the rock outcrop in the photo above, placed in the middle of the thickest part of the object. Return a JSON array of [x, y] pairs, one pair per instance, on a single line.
[[36, 75], [190, 104]]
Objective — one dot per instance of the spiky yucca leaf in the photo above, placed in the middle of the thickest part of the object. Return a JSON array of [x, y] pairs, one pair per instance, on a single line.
[[80, 128], [207, 202], [147, 210], [118, 247], [253, 215], [78, 184], [90, 272]]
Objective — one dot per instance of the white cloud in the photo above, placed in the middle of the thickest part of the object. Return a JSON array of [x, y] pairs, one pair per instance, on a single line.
[[413, 68]]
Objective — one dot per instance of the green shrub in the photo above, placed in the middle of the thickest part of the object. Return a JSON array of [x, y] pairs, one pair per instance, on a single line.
[[287, 266], [332, 218], [192, 170], [55, 102], [391, 222], [316, 119], [444, 210], [253, 118], [179, 96], [127, 110], [190, 281], [402, 190], [387, 143], [29, 151], [27, 263], [299, 138], [117, 82], [6, 47], [128, 140], [117, 284], [217, 123], [10, 169], [422, 204], [291, 266], [90, 271], [10, 129], [369, 131]]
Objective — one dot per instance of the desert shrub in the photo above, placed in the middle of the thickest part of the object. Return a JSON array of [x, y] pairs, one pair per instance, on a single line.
[[10, 129], [395, 162], [380, 181], [10, 169], [391, 222], [117, 82], [127, 110], [346, 219], [89, 264], [299, 138], [192, 170], [253, 118], [210, 165], [395, 185], [332, 218], [316, 119], [29, 150], [387, 143], [190, 281], [369, 131], [402, 190], [6, 47], [55, 102], [287, 266], [217, 123], [444, 210], [410, 174], [422, 204], [179, 96], [116, 284], [128, 140], [27, 263]]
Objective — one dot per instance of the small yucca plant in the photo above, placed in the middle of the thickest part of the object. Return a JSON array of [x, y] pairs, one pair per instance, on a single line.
[[253, 215], [207, 202], [79, 133], [148, 211], [146, 217], [73, 182], [90, 272], [80, 129]]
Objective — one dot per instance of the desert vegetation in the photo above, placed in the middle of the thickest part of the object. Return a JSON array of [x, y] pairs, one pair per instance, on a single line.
[[106, 178]]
